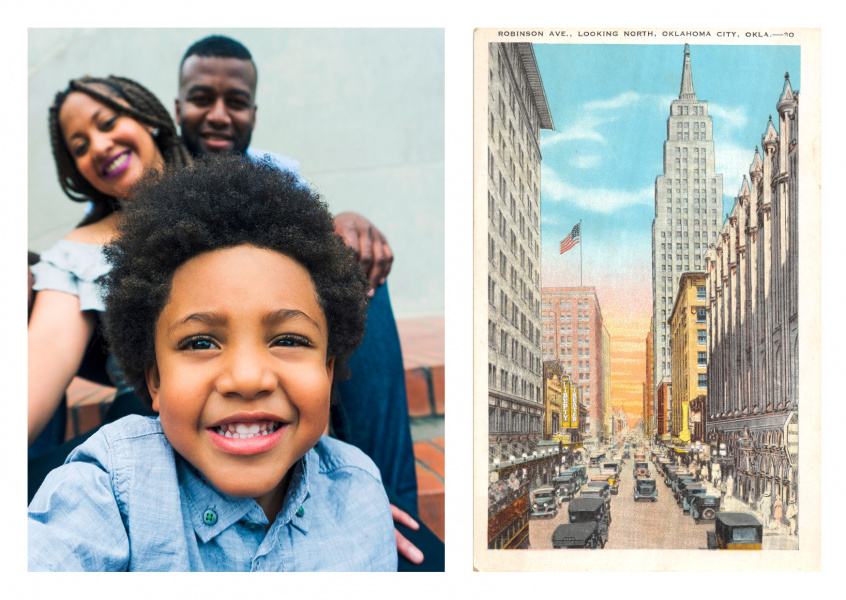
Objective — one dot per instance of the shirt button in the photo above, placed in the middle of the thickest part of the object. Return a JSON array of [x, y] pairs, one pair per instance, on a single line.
[[300, 511], [209, 517]]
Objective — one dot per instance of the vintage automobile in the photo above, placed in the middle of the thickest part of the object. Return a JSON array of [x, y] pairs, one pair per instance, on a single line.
[[580, 473], [544, 503], [587, 525], [688, 492], [670, 472], [645, 489], [641, 469], [675, 476], [640, 457], [610, 467], [704, 507], [566, 486], [627, 454], [598, 490], [596, 459], [678, 490], [735, 531], [610, 478]]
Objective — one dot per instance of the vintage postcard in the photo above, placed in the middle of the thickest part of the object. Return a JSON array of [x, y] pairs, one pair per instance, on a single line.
[[647, 255]]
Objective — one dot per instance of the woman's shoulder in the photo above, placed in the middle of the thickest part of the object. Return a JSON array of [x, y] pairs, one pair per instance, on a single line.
[[94, 234], [72, 267]]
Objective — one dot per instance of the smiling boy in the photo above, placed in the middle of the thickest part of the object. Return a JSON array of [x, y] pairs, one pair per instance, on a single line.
[[234, 332]]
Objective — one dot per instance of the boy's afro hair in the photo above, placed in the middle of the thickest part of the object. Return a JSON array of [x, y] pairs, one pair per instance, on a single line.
[[221, 203]]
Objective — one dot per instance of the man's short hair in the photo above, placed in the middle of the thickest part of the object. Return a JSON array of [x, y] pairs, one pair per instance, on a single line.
[[218, 46], [223, 202]]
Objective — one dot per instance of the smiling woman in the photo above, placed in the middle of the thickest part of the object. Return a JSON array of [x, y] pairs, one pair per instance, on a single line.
[[105, 134]]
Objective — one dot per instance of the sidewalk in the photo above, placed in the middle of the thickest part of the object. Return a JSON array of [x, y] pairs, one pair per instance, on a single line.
[[775, 538]]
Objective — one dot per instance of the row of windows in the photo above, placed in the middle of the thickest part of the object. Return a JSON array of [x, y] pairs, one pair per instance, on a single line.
[[681, 109], [509, 382]]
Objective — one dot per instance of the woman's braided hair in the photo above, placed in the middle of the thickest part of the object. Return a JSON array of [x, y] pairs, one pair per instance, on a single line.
[[144, 107]]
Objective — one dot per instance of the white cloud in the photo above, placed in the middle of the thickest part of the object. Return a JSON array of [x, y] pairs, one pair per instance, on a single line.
[[733, 117], [733, 161], [620, 101], [585, 162], [601, 200]]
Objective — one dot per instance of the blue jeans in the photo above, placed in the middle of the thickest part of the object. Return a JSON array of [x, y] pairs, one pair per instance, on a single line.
[[372, 408]]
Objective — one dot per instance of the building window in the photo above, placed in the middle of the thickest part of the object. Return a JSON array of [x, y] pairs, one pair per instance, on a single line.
[[700, 314], [701, 337], [702, 359], [703, 381]]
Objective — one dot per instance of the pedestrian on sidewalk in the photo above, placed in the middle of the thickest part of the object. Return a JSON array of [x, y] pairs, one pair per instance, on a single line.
[[730, 486], [765, 505], [777, 513], [791, 514], [722, 492]]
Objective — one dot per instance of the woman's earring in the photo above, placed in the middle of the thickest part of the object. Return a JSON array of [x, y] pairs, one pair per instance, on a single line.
[[155, 132]]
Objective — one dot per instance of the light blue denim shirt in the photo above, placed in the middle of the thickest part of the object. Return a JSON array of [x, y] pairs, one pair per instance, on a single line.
[[125, 501]]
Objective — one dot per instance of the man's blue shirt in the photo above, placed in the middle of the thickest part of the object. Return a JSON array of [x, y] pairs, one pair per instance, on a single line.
[[283, 163], [125, 501]]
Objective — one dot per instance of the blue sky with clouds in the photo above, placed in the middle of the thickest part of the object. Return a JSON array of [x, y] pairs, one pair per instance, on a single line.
[[610, 105]]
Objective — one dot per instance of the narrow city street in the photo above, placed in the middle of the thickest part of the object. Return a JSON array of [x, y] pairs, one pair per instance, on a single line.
[[641, 524]]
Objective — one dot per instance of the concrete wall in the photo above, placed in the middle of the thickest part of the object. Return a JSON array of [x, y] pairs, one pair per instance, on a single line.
[[361, 109]]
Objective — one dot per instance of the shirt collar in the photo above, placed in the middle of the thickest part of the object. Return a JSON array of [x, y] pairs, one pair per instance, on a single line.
[[203, 499]]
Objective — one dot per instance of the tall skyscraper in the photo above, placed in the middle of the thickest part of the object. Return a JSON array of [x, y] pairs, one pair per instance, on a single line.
[[517, 111], [688, 209]]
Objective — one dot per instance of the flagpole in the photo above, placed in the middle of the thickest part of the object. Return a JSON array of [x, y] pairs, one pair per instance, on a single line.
[[581, 240]]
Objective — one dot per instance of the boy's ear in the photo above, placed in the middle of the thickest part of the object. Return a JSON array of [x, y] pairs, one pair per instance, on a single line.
[[330, 367], [151, 375]]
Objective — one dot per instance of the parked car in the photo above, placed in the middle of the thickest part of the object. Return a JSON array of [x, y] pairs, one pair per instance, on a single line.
[[565, 486], [735, 531], [580, 473], [680, 483], [690, 491], [544, 503], [587, 525], [645, 489], [704, 507], [641, 469]]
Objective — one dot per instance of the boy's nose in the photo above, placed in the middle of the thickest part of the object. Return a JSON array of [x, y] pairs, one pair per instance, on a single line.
[[246, 374]]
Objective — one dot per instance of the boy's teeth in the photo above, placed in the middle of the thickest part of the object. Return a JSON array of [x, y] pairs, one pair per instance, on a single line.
[[245, 430]]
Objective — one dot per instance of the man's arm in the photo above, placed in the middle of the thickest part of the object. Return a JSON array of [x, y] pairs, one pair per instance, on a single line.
[[371, 247]]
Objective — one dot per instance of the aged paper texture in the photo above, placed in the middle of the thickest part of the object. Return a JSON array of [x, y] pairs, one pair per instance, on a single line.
[[647, 256]]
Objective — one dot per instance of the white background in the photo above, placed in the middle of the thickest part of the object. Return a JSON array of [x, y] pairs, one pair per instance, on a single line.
[[459, 20]]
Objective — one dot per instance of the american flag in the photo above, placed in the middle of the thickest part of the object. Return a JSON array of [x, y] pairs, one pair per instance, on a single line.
[[571, 240]]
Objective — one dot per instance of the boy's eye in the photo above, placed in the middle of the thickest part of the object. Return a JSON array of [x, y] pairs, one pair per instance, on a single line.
[[290, 340], [197, 343]]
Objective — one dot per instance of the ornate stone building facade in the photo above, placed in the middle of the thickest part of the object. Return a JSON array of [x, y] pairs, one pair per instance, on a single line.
[[753, 334], [688, 208], [517, 111], [574, 333]]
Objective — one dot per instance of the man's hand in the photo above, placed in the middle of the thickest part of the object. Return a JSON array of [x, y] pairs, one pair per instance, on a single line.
[[404, 547], [370, 246]]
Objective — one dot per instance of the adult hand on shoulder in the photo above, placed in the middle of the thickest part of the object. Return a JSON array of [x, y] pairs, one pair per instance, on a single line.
[[404, 547], [371, 248]]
